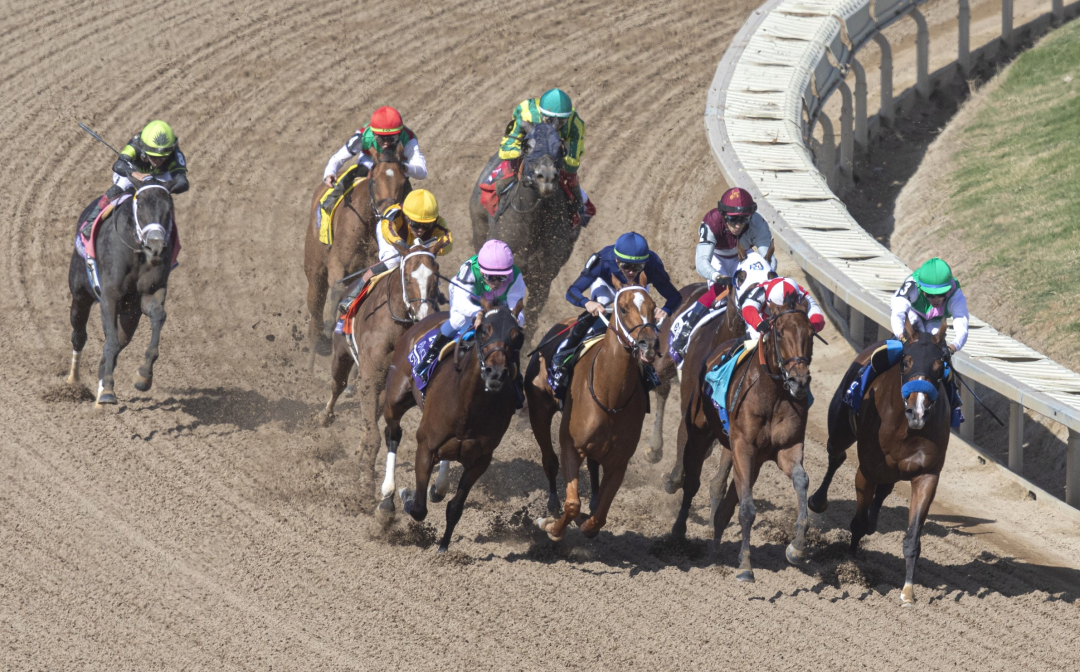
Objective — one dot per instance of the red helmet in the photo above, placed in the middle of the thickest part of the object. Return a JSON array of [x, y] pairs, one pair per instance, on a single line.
[[737, 202], [386, 121]]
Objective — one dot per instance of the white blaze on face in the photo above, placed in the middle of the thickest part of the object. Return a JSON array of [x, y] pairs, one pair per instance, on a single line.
[[639, 301], [421, 276], [389, 172]]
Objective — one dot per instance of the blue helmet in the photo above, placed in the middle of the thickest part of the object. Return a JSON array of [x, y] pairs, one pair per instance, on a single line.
[[631, 248]]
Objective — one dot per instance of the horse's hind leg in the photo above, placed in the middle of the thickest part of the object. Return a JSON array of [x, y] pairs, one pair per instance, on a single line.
[[540, 413], [694, 450], [341, 363], [790, 462], [721, 505], [415, 501], [864, 495], [746, 472], [678, 470], [594, 484], [154, 307], [442, 483], [841, 436], [923, 489], [316, 303], [880, 494], [81, 303], [110, 350], [571, 466], [456, 505], [655, 452]]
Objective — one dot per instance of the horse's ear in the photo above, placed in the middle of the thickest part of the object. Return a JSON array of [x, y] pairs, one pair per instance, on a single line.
[[769, 252], [741, 251], [437, 247], [643, 279], [486, 305], [909, 330], [616, 283], [402, 249], [518, 308], [939, 337]]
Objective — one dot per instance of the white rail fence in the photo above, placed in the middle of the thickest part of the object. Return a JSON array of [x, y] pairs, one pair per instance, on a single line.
[[763, 103]]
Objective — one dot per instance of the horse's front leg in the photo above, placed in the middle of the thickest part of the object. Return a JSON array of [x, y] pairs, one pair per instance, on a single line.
[[923, 489], [790, 462], [746, 470], [153, 306], [609, 486], [472, 473], [80, 313], [655, 452], [571, 468], [415, 501], [111, 349]]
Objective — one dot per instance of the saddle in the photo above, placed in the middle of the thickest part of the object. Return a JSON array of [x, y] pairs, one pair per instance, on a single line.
[[881, 360], [345, 322], [329, 202], [86, 234], [498, 183]]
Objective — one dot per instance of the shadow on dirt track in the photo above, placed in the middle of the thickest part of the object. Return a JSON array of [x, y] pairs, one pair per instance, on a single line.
[[245, 409]]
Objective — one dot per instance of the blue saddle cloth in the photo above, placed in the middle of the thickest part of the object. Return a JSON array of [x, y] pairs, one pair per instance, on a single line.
[[718, 380], [883, 359], [420, 351]]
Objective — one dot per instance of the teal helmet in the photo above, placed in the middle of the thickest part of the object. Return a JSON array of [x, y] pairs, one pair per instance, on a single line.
[[555, 103], [934, 277]]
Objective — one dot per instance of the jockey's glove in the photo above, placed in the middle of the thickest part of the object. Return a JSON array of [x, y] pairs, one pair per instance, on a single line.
[[764, 326]]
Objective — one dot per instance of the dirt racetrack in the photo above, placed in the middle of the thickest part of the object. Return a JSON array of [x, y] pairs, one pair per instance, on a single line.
[[207, 525]]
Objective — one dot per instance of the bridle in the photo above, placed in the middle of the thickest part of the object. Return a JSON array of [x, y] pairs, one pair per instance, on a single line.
[[919, 382], [785, 365], [526, 179], [482, 354], [626, 339], [410, 308], [141, 232]]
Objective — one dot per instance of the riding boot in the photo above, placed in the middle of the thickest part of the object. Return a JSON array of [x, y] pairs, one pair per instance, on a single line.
[[689, 321], [432, 354], [340, 187], [561, 365], [954, 403], [354, 291]]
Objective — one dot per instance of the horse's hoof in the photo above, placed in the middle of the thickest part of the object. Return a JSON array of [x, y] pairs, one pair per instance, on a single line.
[[325, 419], [545, 525], [553, 503], [678, 530], [745, 576], [350, 391], [907, 595], [590, 531], [386, 507], [106, 399], [73, 380], [653, 456], [442, 549], [434, 495], [795, 556], [143, 384], [323, 347], [671, 485], [817, 504]]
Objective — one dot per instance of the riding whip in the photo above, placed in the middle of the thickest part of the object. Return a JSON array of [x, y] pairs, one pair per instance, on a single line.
[[553, 337], [97, 137]]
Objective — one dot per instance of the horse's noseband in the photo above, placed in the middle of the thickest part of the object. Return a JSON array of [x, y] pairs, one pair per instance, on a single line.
[[786, 365], [629, 342]]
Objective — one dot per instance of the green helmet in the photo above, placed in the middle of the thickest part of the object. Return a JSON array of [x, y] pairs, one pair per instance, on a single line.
[[158, 139], [934, 277], [555, 103]]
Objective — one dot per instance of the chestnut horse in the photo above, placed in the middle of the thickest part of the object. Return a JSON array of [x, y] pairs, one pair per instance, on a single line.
[[354, 245], [603, 413], [405, 296], [768, 400], [902, 429], [470, 402]]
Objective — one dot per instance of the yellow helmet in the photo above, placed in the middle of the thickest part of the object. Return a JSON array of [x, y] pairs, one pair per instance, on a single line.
[[158, 138], [421, 206]]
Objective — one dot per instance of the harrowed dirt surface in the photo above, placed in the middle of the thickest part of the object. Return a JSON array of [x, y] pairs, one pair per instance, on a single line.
[[207, 524]]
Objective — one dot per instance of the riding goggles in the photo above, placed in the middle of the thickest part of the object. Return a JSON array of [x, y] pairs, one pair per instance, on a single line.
[[494, 280], [737, 220], [631, 270], [557, 122]]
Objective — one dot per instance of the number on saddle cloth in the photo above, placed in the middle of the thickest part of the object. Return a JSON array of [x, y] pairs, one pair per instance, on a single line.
[[882, 359]]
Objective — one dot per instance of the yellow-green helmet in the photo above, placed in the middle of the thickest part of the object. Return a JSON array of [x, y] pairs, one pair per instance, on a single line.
[[158, 138]]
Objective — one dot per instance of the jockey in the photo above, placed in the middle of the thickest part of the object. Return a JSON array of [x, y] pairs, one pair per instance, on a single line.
[[490, 274], [733, 222], [153, 151], [927, 295], [755, 311], [626, 260], [415, 221], [555, 108], [385, 133]]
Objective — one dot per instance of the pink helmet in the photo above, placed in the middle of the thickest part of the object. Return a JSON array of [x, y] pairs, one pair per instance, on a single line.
[[495, 258]]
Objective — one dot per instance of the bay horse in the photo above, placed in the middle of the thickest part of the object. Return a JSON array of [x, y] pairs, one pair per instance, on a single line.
[[405, 296], [134, 250], [534, 216], [715, 332], [470, 401], [902, 430], [768, 401], [603, 413], [354, 245]]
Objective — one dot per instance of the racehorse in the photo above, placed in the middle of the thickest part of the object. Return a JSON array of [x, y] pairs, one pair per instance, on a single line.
[[768, 401], [354, 245], [902, 429], [715, 332], [534, 216], [134, 250], [603, 413], [470, 401]]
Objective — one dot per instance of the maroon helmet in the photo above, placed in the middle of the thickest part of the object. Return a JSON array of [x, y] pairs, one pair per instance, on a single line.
[[736, 203]]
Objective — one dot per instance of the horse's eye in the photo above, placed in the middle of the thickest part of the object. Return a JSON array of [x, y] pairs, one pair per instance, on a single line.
[[622, 311], [905, 365]]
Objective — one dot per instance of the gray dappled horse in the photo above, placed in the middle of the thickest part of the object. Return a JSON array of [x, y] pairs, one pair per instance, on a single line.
[[134, 251], [533, 216]]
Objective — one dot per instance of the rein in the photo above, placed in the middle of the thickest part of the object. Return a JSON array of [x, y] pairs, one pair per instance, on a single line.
[[629, 344], [785, 374], [408, 302], [141, 231]]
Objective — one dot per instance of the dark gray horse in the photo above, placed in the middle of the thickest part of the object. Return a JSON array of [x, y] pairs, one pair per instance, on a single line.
[[533, 217], [134, 251]]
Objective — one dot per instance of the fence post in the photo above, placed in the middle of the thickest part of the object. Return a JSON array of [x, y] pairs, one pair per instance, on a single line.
[[1006, 23], [1072, 470], [1058, 10], [922, 54], [828, 150], [862, 134], [857, 328], [847, 141], [888, 110], [963, 38], [967, 429], [1016, 437]]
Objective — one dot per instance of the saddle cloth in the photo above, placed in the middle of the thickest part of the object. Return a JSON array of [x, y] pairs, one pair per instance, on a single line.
[[420, 351], [345, 322], [326, 215], [495, 185], [882, 359], [718, 378], [680, 322]]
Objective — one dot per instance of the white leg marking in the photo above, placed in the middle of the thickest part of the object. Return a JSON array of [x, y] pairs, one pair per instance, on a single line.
[[388, 482], [442, 482]]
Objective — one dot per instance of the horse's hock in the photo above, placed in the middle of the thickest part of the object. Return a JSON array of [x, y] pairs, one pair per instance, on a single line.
[[766, 122]]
